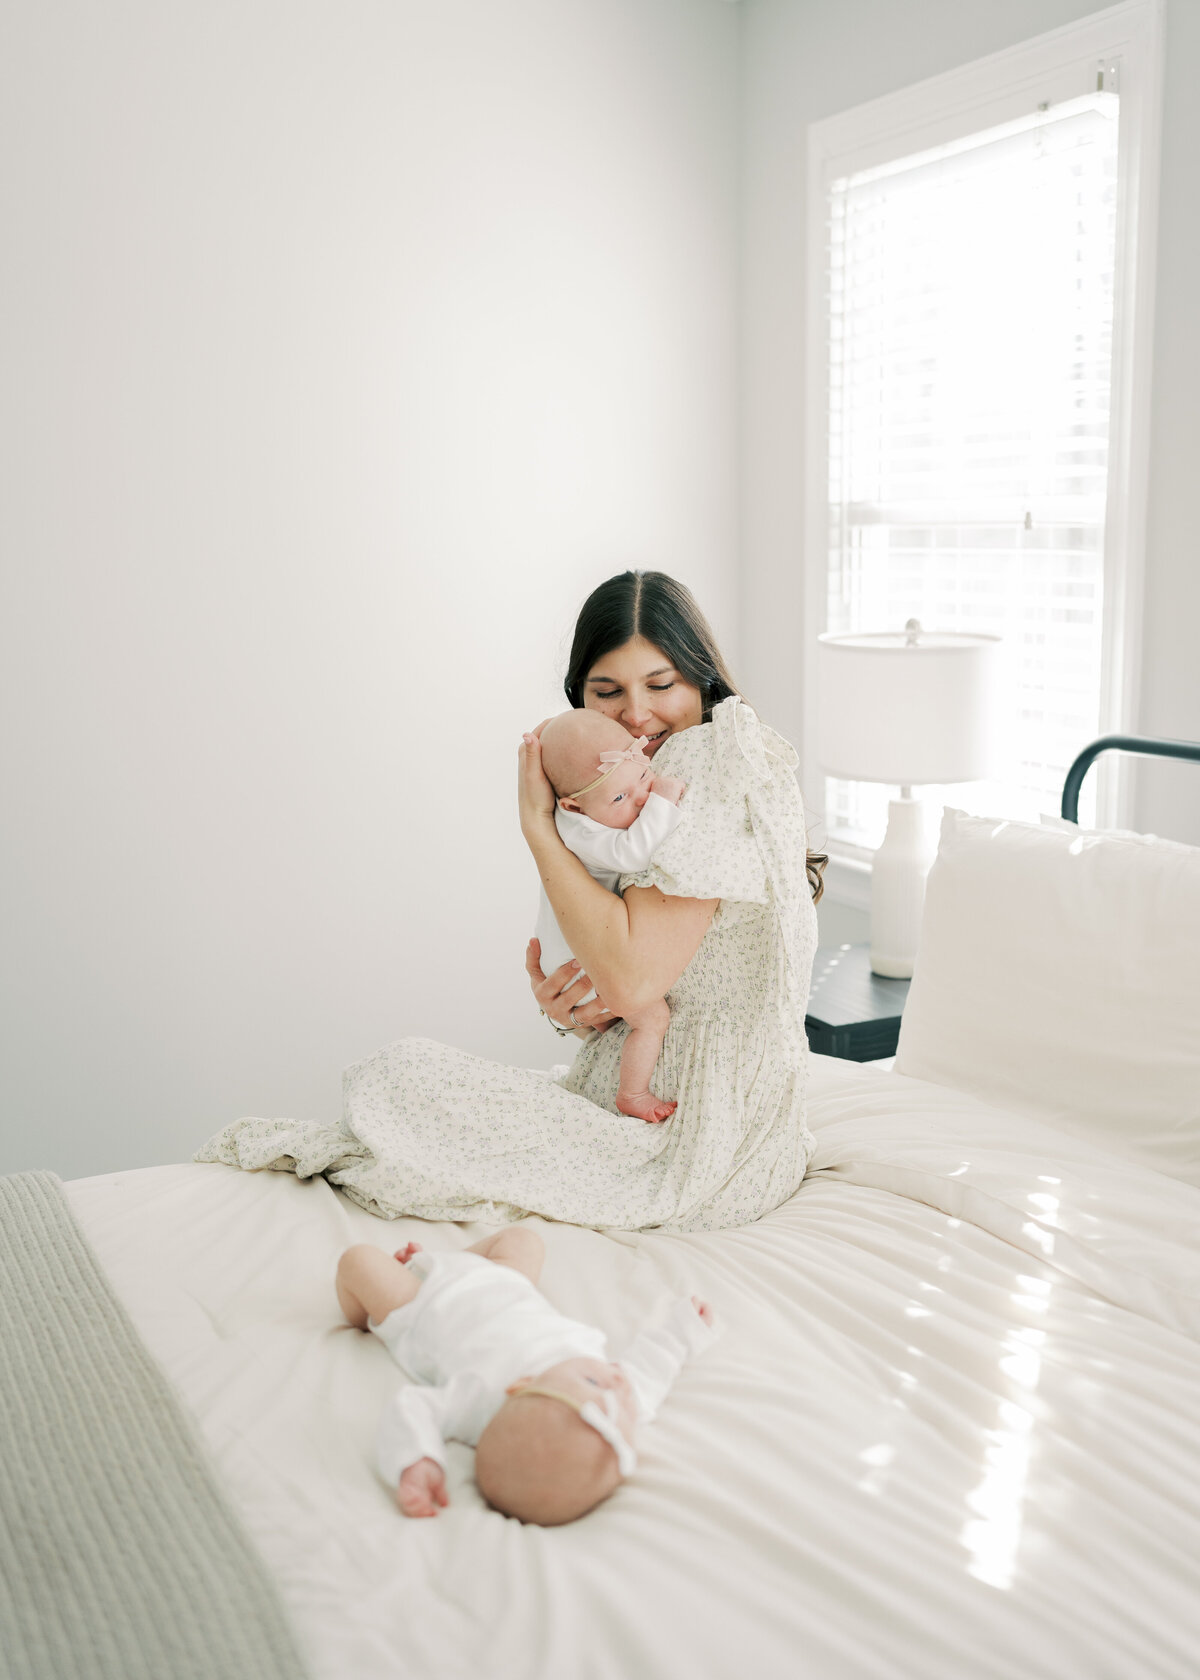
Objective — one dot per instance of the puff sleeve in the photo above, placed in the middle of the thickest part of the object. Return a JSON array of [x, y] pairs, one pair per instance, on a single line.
[[741, 836]]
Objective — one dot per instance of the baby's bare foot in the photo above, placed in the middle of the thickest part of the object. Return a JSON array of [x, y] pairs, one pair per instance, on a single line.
[[405, 1254], [641, 1105]]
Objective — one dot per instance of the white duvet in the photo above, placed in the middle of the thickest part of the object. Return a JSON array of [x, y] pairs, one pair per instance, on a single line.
[[952, 1428]]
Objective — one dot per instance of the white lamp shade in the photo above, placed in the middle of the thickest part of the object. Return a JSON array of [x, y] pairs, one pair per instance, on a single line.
[[903, 711]]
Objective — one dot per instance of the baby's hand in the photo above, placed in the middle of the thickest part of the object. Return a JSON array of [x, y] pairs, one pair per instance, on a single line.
[[422, 1489], [703, 1308], [405, 1254], [669, 787]]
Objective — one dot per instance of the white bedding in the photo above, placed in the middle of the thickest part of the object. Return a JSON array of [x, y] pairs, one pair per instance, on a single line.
[[950, 1429]]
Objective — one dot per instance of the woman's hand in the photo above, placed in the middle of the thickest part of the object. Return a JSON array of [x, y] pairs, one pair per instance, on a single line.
[[561, 993], [566, 988], [535, 796]]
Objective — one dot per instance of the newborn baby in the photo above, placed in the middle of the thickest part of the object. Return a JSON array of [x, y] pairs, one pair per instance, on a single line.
[[614, 821], [552, 1420]]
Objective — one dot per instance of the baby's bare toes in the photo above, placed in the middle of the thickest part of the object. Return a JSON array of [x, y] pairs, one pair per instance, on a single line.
[[644, 1107]]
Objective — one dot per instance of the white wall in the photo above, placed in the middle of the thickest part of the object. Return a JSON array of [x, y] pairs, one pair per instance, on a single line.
[[346, 347], [807, 59], [1169, 794]]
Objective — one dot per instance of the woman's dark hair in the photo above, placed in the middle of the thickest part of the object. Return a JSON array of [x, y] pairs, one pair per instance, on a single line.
[[664, 612]]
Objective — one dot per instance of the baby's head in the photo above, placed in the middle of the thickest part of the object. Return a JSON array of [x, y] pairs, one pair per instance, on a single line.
[[610, 793], [539, 1458]]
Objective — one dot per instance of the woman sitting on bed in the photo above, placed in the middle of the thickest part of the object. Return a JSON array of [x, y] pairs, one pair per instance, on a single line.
[[722, 923]]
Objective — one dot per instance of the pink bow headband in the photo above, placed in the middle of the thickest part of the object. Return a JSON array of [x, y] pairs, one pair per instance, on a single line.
[[611, 760]]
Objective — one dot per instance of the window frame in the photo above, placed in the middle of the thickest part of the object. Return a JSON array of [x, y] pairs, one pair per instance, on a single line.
[[1123, 44]]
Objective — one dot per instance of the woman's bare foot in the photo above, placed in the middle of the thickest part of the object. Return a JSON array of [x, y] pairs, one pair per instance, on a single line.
[[405, 1254], [642, 1105]]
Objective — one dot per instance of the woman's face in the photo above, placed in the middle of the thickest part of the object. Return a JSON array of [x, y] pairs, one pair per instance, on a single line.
[[638, 685]]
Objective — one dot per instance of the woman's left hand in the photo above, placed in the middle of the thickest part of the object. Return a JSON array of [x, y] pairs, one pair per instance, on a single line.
[[560, 995], [535, 796]]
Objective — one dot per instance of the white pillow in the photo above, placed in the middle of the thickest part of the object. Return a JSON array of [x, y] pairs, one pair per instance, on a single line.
[[1058, 974]]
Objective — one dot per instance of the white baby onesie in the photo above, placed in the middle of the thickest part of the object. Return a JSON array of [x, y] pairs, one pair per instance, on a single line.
[[473, 1328], [606, 854]]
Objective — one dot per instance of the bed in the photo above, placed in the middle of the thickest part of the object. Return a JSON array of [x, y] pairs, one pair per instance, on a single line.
[[949, 1427]]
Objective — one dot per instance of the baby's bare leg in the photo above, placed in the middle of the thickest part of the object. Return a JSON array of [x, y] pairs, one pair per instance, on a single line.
[[518, 1246], [372, 1284], [639, 1053]]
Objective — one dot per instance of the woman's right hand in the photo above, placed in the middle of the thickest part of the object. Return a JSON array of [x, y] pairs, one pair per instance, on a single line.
[[562, 992], [535, 796]]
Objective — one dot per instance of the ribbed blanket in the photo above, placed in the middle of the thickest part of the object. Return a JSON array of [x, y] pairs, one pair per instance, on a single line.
[[119, 1556]]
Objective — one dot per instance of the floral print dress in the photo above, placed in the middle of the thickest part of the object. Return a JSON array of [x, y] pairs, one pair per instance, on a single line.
[[432, 1132]]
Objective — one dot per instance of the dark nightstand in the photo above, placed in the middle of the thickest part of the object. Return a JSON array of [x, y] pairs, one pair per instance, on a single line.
[[853, 1013]]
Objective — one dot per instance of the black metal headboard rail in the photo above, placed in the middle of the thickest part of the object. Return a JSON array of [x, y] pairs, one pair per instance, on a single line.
[[1148, 745]]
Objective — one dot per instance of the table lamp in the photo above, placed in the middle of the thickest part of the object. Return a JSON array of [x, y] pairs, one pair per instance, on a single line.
[[906, 707]]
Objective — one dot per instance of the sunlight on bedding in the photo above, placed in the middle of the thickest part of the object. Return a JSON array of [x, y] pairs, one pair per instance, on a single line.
[[993, 1535], [1035, 1296], [1044, 1239], [1047, 1207], [879, 1459], [1024, 1364]]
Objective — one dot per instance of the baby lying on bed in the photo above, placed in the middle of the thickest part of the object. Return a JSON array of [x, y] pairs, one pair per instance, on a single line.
[[620, 813], [552, 1420]]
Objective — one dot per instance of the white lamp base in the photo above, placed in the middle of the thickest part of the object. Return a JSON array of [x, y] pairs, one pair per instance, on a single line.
[[898, 874]]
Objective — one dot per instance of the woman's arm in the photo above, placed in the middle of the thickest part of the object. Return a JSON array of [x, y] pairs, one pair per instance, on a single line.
[[633, 948]]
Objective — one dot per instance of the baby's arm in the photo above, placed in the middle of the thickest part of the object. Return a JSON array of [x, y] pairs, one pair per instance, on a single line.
[[628, 851], [413, 1431], [669, 787], [655, 1358]]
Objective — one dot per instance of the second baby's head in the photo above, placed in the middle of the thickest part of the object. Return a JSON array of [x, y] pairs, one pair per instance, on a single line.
[[572, 744], [539, 1459]]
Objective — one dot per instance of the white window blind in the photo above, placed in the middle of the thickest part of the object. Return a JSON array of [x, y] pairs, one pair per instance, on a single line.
[[970, 346]]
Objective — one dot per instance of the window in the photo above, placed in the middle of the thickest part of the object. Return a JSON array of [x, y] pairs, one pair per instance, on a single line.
[[973, 391]]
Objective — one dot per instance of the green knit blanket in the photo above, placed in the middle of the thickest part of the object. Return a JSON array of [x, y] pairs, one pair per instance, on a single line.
[[120, 1558]]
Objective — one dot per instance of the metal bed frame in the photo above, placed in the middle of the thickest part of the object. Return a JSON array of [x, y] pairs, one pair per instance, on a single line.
[[1148, 745]]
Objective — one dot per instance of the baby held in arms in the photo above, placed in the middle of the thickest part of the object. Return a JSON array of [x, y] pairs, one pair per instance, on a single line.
[[493, 1364], [613, 813]]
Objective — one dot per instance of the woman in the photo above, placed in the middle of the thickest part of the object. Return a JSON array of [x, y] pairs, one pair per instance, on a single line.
[[722, 924]]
